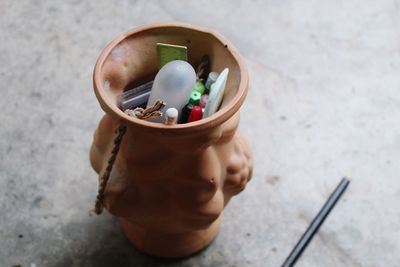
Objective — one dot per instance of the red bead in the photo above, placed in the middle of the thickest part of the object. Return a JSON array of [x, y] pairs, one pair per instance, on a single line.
[[195, 114]]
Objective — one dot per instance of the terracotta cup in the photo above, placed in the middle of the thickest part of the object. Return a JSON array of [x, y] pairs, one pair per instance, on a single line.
[[169, 184]]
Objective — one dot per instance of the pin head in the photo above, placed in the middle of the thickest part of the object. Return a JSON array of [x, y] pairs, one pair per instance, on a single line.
[[196, 114], [195, 97], [171, 116]]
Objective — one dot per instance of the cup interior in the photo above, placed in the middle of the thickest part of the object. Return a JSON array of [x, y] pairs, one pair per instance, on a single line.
[[131, 60]]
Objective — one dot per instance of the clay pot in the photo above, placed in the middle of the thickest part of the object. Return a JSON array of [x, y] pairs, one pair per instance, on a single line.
[[169, 184]]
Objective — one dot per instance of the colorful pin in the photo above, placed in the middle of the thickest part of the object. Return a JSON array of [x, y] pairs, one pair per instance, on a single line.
[[171, 116], [187, 109], [196, 114]]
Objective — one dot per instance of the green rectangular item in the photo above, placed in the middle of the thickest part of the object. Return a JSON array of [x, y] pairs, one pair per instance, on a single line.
[[169, 52]]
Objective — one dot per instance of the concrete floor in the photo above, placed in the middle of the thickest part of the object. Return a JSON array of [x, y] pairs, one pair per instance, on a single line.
[[324, 102]]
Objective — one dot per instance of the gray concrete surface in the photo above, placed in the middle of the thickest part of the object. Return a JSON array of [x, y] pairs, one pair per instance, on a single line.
[[324, 102]]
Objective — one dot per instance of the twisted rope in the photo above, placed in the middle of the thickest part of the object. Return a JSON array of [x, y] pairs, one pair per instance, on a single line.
[[140, 113], [203, 68], [103, 179]]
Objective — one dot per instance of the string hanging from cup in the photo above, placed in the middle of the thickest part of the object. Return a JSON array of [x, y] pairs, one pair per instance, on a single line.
[[140, 113]]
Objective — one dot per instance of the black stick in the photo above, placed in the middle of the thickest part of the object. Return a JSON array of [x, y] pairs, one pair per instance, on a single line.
[[315, 224]]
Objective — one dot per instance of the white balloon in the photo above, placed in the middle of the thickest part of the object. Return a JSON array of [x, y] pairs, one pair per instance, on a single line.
[[173, 85]]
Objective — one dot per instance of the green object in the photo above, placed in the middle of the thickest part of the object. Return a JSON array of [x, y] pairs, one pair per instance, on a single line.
[[195, 98], [199, 87], [169, 52]]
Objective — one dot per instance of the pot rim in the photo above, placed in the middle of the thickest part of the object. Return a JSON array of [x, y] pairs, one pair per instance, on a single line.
[[210, 122]]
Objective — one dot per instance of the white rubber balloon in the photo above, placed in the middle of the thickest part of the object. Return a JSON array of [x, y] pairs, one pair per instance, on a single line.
[[173, 85]]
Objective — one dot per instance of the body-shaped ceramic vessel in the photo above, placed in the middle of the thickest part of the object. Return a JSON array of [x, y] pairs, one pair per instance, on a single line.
[[169, 184]]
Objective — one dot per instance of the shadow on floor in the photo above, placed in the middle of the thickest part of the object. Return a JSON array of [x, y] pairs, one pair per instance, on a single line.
[[101, 243]]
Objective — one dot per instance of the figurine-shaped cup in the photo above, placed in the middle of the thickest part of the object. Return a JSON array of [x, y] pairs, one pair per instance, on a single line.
[[170, 183]]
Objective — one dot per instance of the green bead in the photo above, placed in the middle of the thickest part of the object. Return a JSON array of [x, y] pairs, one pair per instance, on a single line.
[[199, 87], [195, 98]]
